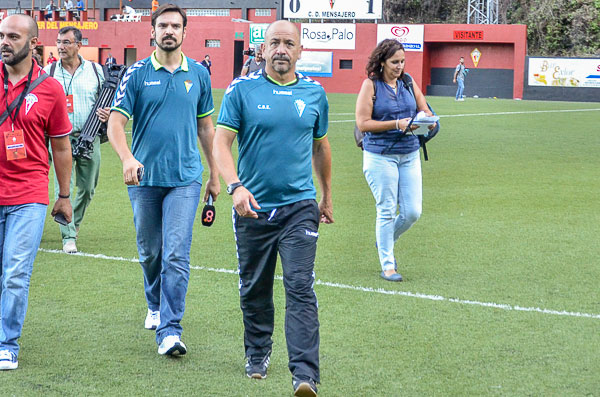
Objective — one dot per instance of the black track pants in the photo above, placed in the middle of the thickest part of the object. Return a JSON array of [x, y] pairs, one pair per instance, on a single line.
[[291, 231]]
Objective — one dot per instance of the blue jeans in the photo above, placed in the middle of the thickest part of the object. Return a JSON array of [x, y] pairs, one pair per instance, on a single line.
[[164, 220], [461, 88], [21, 228], [395, 180]]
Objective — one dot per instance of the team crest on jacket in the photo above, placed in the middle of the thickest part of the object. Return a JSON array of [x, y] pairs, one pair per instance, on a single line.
[[300, 105], [30, 99]]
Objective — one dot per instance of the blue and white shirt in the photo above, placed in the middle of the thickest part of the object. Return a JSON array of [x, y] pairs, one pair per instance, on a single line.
[[275, 126], [166, 107]]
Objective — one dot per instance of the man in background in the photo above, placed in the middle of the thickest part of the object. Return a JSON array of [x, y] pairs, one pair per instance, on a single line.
[[51, 59], [37, 57], [24, 172], [49, 9], [207, 63], [110, 60], [252, 65], [81, 81], [459, 77]]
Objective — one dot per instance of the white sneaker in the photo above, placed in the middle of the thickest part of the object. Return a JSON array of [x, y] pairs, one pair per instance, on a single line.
[[8, 360], [152, 319], [172, 346], [69, 247]]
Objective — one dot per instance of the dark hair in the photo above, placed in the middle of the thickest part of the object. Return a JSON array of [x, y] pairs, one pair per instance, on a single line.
[[384, 50], [168, 8], [76, 32]]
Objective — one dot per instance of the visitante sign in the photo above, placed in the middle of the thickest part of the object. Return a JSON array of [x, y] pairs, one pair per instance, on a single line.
[[468, 35]]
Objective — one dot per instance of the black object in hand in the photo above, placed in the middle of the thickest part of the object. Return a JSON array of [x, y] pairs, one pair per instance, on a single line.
[[60, 218], [209, 213], [140, 174]]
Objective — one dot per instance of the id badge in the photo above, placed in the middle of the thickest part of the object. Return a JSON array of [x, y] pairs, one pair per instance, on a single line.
[[70, 103], [15, 145]]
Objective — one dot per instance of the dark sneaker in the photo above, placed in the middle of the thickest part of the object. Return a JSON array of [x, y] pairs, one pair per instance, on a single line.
[[304, 387], [256, 367], [392, 277]]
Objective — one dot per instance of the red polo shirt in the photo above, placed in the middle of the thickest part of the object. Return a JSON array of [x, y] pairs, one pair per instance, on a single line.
[[43, 111]]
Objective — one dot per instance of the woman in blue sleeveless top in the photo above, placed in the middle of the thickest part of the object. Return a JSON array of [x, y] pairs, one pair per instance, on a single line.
[[391, 160]]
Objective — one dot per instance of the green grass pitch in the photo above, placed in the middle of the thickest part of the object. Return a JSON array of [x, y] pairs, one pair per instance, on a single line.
[[501, 273]]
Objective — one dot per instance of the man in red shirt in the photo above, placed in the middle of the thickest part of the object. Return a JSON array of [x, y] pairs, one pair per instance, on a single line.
[[33, 110], [51, 59]]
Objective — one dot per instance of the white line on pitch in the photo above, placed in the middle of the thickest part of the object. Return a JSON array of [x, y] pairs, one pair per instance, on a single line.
[[523, 112], [477, 114], [364, 289]]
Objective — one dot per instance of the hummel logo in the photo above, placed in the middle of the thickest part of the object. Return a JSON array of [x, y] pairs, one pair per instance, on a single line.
[[148, 83], [313, 234], [278, 92]]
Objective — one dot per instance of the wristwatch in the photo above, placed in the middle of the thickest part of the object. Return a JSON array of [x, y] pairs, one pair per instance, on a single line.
[[231, 188]]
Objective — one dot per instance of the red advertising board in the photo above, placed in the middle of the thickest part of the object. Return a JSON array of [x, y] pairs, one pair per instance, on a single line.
[[468, 35]]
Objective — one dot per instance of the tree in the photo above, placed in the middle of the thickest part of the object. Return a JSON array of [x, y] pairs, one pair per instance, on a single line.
[[554, 27]]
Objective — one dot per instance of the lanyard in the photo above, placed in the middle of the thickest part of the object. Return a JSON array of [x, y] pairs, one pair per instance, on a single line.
[[67, 89], [23, 94]]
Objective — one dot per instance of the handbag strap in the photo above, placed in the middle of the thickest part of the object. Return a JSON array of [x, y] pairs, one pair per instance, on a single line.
[[407, 81]]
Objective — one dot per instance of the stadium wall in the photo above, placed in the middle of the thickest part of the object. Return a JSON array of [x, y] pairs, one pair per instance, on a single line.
[[500, 71], [105, 8], [130, 41], [500, 66]]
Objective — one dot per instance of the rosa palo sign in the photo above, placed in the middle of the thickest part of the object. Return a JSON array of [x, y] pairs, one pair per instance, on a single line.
[[337, 36]]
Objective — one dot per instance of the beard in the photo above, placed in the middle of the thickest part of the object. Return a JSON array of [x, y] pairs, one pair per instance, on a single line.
[[169, 47], [281, 68], [14, 58]]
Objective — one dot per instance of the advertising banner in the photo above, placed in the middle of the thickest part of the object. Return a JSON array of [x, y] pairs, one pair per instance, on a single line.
[[61, 24], [564, 72], [333, 9], [411, 36], [316, 63], [257, 32], [328, 36]]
